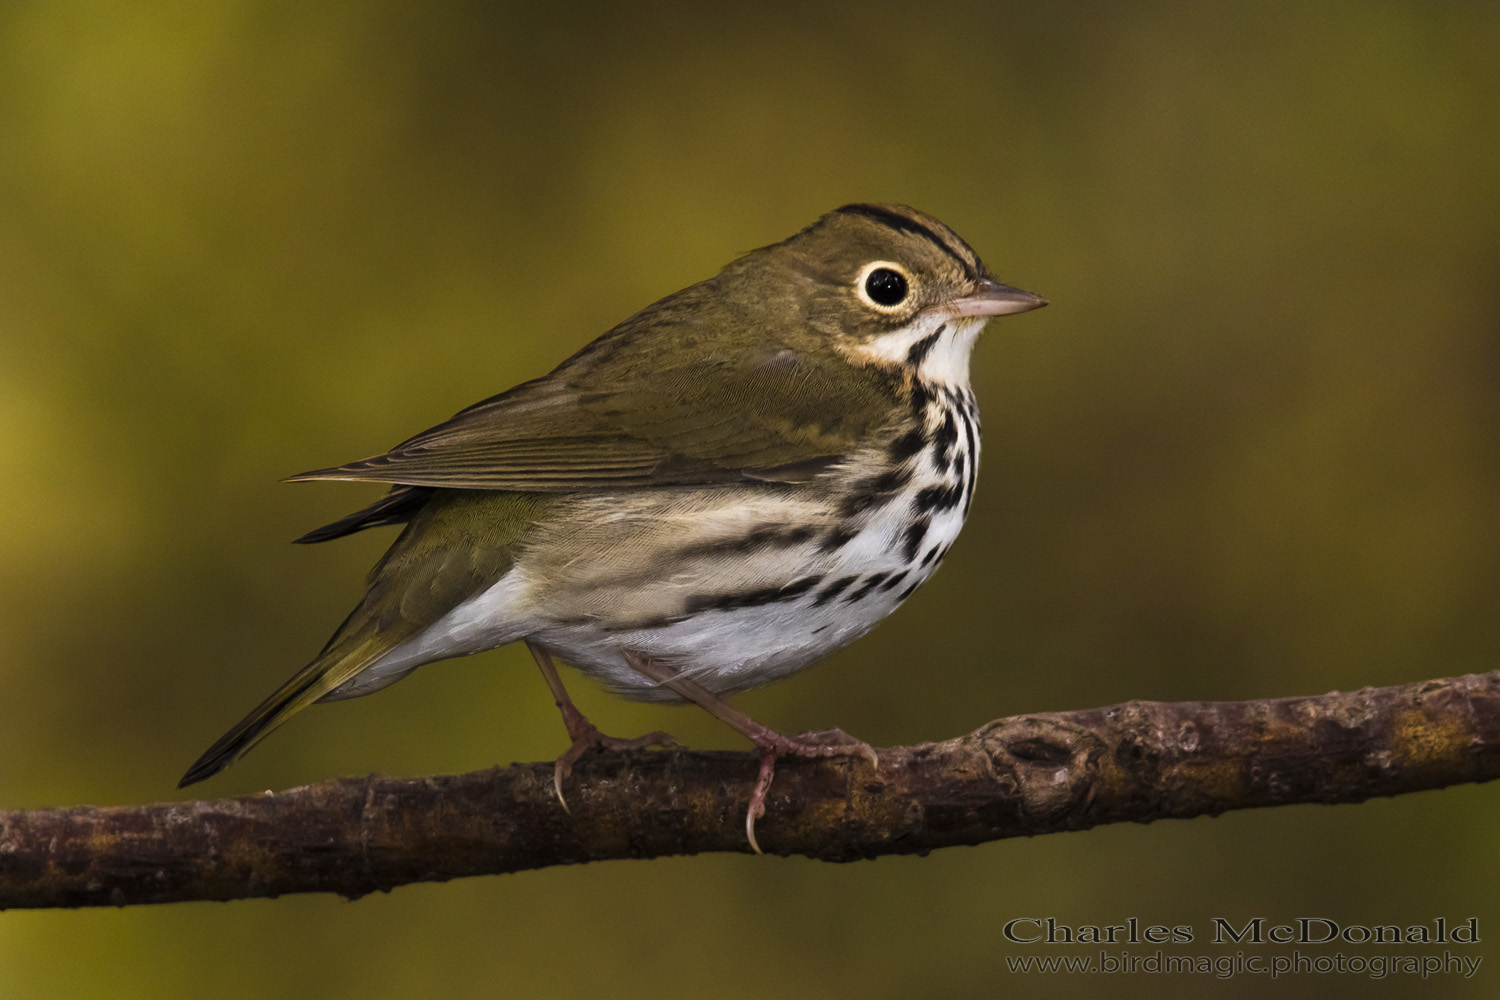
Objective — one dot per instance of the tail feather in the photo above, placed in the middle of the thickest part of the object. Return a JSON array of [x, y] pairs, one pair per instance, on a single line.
[[396, 507], [309, 684], [455, 545]]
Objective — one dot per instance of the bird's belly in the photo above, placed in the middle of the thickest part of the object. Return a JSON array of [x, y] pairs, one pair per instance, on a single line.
[[740, 623], [734, 587], [724, 650]]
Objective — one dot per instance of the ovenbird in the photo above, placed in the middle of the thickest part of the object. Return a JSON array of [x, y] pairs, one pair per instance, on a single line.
[[729, 485]]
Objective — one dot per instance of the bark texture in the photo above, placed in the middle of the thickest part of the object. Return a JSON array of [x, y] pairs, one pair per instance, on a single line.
[[1031, 774]]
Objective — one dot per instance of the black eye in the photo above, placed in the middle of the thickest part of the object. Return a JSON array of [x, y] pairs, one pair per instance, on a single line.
[[885, 287]]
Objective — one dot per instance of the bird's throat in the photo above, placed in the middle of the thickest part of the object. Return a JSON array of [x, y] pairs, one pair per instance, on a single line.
[[935, 349]]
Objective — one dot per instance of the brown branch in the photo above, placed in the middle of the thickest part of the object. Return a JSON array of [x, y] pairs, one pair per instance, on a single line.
[[1031, 774]]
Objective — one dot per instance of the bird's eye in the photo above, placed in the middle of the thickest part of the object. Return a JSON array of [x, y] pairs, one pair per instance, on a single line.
[[884, 286]]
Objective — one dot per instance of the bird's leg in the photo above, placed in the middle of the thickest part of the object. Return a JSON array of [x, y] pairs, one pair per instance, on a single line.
[[771, 744], [585, 735]]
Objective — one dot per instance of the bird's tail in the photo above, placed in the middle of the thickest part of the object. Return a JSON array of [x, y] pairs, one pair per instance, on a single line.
[[458, 543], [332, 668]]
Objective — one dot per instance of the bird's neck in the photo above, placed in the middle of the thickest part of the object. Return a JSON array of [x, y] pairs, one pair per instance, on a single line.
[[934, 350]]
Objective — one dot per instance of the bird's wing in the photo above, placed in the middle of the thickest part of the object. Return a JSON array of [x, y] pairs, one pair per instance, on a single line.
[[777, 415]]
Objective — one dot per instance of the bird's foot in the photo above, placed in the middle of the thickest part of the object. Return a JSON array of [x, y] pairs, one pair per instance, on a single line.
[[772, 745], [586, 737]]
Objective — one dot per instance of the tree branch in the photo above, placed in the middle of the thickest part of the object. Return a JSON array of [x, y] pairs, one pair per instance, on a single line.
[[1031, 774]]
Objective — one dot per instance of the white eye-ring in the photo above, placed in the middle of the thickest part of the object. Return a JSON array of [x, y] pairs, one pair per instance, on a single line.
[[883, 285]]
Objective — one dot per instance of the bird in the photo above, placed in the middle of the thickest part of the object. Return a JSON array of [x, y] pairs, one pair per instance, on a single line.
[[731, 484]]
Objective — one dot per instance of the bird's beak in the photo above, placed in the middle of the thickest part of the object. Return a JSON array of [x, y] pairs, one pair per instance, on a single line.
[[990, 298]]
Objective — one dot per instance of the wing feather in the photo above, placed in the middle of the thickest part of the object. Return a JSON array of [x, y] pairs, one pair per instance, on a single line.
[[770, 414]]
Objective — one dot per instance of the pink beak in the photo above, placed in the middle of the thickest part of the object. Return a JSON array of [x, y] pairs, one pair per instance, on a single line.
[[990, 298]]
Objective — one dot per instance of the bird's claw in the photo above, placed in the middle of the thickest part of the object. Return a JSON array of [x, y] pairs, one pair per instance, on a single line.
[[823, 743], [590, 738]]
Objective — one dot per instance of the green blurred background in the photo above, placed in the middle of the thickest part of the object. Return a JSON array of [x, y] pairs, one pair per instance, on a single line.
[[1250, 450]]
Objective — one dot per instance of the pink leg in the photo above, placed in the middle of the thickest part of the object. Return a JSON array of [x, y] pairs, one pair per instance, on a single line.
[[586, 736], [824, 743]]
